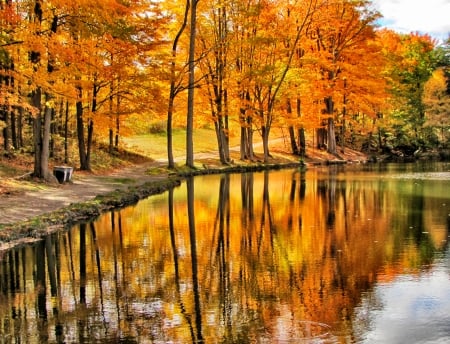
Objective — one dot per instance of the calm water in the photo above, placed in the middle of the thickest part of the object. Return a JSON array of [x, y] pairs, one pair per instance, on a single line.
[[355, 254]]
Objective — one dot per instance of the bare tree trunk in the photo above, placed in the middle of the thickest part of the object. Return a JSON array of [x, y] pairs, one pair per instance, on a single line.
[[301, 131], [249, 143], [243, 145], [291, 129], [66, 134], [45, 152], [117, 136], [265, 139], [190, 109], [89, 143], [321, 140], [14, 135], [37, 138], [302, 142], [331, 130], [20, 128], [173, 90], [170, 158], [80, 133], [6, 131], [332, 148]]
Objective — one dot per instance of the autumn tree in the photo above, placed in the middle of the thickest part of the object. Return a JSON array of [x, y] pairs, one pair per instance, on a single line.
[[43, 26], [267, 48], [8, 20], [108, 59], [214, 39], [437, 104], [176, 85], [245, 23], [340, 30], [412, 61]]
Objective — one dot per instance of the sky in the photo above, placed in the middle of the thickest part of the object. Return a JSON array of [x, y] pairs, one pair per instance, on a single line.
[[425, 16]]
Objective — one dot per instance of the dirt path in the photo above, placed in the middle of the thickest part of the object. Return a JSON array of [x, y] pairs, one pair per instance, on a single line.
[[26, 204]]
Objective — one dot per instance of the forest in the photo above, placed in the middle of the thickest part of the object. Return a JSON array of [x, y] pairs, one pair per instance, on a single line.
[[79, 75]]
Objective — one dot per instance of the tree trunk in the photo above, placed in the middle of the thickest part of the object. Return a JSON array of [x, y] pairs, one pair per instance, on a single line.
[[249, 143], [302, 142], [37, 138], [265, 141], [332, 148], [331, 130], [116, 138], [45, 152], [291, 129], [13, 122], [220, 141], [80, 134], [191, 85], [20, 128], [6, 132], [66, 134], [89, 144], [170, 158], [117, 134], [53, 132], [293, 141], [173, 91], [321, 139], [226, 137], [243, 143], [344, 114], [301, 131]]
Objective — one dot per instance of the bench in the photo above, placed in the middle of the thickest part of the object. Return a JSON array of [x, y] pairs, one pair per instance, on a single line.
[[63, 173]]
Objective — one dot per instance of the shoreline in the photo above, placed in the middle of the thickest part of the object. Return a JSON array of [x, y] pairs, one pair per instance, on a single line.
[[124, 194]]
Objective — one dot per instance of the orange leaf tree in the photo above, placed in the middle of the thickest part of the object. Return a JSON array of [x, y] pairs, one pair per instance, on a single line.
[[341, 33]]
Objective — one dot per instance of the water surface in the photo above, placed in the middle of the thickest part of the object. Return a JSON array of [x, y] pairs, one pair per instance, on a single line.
[[342, 254]]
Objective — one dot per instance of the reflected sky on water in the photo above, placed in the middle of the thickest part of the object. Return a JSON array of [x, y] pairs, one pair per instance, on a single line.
[[339, 254]]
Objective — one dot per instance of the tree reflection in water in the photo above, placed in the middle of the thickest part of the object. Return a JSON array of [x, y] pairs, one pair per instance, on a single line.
[[275, 256]]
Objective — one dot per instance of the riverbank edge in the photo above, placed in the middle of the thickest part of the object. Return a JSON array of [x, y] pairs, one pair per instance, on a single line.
[[37, 228]]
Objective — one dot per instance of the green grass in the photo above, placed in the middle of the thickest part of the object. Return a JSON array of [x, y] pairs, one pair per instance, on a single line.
[[155, 145]]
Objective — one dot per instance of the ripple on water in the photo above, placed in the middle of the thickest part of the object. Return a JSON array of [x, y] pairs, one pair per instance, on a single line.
[[304, 331]]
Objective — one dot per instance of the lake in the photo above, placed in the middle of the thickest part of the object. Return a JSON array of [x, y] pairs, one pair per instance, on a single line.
[[336, 254]]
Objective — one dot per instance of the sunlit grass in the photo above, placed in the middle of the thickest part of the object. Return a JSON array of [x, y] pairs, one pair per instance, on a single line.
[[155, 145]]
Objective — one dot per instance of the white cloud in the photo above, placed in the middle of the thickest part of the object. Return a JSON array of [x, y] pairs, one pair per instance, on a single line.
[[430, 16], [408, 309]]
